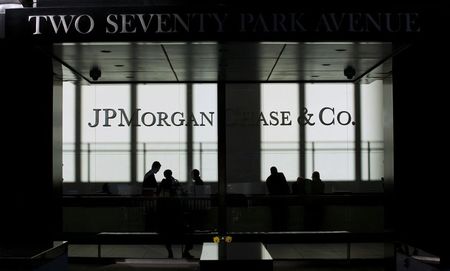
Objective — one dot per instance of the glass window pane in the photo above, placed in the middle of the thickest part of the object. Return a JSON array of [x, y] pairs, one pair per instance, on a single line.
[[330, 141], [68, 132], [280, 143], [372, 130], [106, 138], [162, 130], [205, 137]]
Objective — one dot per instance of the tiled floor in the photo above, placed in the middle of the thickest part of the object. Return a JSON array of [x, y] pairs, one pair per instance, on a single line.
[[323, 257], [153, 257]]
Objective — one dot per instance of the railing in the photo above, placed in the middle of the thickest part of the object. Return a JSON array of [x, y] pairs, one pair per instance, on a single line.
[[191, 202], [244, 212], [117, 157]]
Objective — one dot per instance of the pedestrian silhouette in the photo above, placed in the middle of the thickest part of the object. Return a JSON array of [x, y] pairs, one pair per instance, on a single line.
[[172, 226], [278, 186], [299, 187], [317, 186], [149, 187], [106, 189], [196, 177], [314, 210], [150, 184], [276, 183], [199, 207]]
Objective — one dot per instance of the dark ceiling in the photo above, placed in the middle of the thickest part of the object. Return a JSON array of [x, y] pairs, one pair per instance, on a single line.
[[232, 62]]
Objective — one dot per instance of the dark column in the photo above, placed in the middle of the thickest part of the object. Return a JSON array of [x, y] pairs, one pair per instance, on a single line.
[[302, 131], [57, 155], [357, 119], [389, 207], [243, 134], [32, 167], [420, 117], [189, 67], [133, 107], [222, 157], [78, 131], [189, 134], [133, 134]]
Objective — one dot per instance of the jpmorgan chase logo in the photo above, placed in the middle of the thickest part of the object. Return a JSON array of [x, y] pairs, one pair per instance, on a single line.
[[119, 117]]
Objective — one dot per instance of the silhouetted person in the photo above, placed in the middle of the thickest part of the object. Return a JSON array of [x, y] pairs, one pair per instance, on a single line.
[[150, 184], [278, 186], [170, 214], [299, 187], [314, 210], [198, 213], [276, 183], [196, 177], [149, 187], [317, 186], [105, 189]]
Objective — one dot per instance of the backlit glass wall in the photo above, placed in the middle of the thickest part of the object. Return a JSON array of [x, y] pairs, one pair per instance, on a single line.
[[279, 129], [167, 132], [162, 128], [105, 137], [330, 136], [372, 127]]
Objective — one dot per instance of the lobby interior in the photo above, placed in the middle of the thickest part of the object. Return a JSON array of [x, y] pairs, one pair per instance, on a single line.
[[365, 111]]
